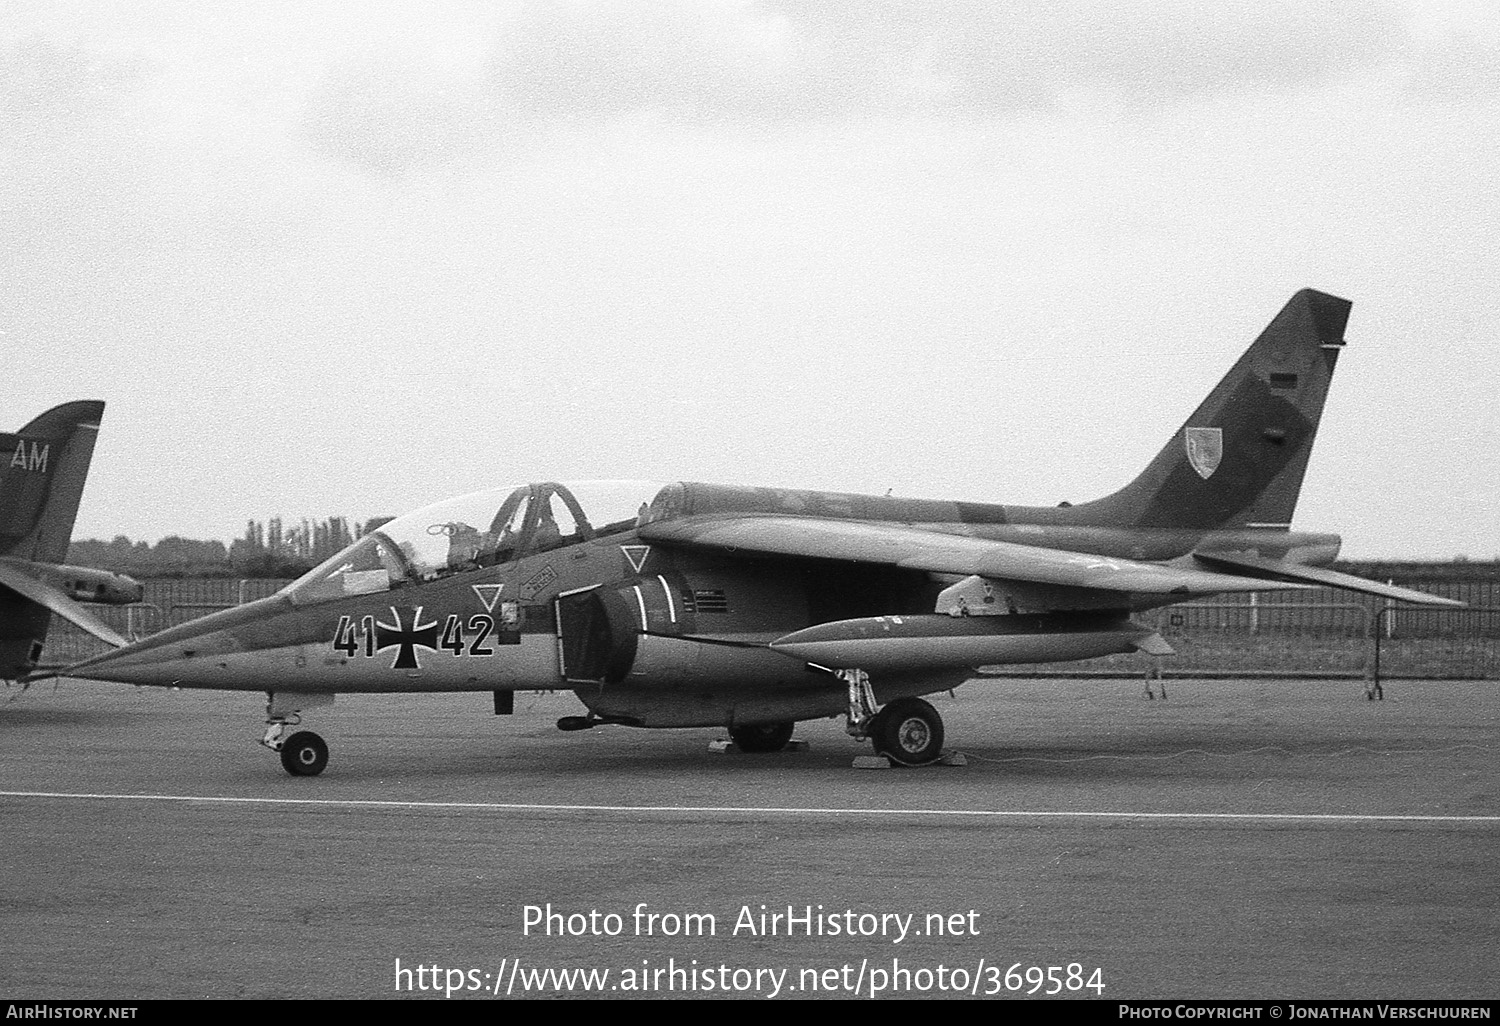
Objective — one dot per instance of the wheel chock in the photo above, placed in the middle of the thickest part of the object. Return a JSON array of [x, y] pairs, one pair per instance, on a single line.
[[724, 745]]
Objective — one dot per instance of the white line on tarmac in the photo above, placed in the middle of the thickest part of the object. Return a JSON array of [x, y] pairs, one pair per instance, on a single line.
[[371, 803]]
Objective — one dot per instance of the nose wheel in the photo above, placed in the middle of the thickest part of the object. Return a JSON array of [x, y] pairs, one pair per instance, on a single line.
[[304, 754]]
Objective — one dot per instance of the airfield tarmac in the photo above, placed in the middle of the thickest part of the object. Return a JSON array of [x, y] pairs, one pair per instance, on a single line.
[[1242, 839]]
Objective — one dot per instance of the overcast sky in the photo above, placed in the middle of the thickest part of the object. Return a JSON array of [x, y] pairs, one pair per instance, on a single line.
[[348, 258]]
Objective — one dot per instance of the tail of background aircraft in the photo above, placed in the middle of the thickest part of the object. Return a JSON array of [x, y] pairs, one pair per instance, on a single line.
[[42, 472], [1239, 459]]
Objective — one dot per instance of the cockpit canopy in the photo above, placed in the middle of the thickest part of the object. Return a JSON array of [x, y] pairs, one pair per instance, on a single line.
[[482, 529]]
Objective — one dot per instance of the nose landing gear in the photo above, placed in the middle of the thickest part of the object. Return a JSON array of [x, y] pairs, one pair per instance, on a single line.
[[303, 754]]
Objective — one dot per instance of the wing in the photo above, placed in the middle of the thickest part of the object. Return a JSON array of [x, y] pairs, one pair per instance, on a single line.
[[915, 549], [30, 588]]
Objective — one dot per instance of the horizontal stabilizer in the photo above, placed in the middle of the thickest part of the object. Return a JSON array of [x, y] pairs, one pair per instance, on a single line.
[[49, 597], [1276, 570]]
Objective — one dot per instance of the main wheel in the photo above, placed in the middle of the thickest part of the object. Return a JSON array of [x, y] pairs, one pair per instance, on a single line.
[[763, 737], [304, 754], [908, 731]]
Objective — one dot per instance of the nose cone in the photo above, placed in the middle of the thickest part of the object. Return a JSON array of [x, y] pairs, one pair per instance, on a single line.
[[159, 665], [214, 651], [171, 659]]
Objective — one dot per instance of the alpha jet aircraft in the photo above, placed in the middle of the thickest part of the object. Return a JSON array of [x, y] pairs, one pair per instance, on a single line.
[[42, 472], [752, 608]]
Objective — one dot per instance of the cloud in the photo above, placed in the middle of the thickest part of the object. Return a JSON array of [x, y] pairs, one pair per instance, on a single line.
[[386, 116], [48, 87], [780, 60], [772, 63], [1163, 52], [685, 59], [1455, 53], [546, 66]]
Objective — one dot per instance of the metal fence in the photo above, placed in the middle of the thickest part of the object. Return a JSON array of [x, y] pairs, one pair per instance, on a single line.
[[1316, 633], [1435, 643]]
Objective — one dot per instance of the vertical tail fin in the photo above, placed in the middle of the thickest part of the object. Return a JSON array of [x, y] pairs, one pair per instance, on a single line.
[[1240, 458], [42, 471]]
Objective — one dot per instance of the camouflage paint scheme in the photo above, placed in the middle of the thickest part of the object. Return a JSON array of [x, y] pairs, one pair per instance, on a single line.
[[737, 606]]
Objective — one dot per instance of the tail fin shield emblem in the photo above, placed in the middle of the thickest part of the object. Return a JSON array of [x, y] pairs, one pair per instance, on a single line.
[[1205, 448]]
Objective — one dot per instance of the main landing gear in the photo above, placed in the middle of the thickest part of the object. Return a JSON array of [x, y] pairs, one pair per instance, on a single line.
[[908, 731], [303, 754]]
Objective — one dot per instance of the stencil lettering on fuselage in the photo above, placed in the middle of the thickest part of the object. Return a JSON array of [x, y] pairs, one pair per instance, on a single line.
[[538, 581]]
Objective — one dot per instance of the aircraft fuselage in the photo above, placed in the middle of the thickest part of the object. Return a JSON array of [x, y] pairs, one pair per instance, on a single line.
[[662, 635], [694, 604]]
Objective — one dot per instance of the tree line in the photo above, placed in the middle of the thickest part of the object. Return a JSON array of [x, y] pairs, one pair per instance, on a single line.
[[272, 548]]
